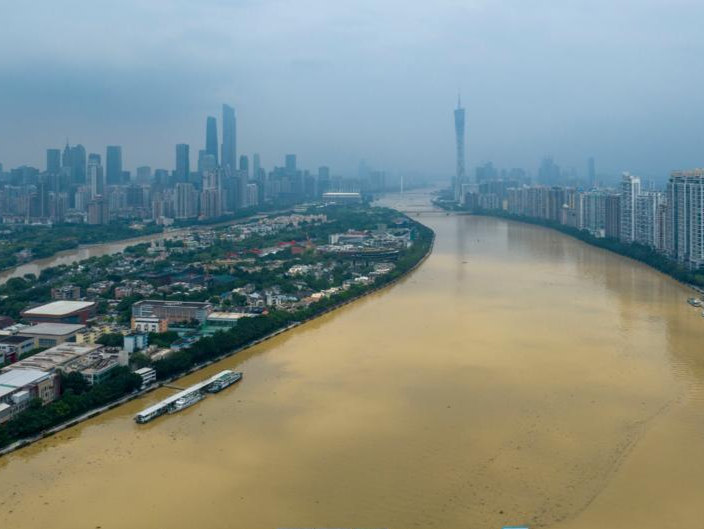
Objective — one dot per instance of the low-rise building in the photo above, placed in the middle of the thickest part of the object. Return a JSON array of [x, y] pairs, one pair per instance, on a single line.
[[97, 367], [51, 334], [135, 342], [342, 198], [226, 319], [172, 311], [148, 375], [19, 386], [147, 324], [66, 293], [13, 347], [58, 358], [61, 312], [92, 334]]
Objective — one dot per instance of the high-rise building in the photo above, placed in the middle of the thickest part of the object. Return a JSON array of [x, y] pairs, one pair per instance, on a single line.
[[256, 165], [290, 164], [593, 212], [113, 165], [161, 177], [630, 189], [73, 161], [96, 179], [549, 172], [647, 228], [459, 143], [229, 140], [206, 162], [242, 183], [53, 161], [612, 225], [211, 138], [685, 217], [323, 180], [98, 212], [252, 195], [591, 172], [144, 174], [186, 201], [211, 199], [259, 176], [183, 163]]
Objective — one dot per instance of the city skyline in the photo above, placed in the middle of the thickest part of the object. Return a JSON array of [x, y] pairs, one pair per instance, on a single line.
[[539, 80]]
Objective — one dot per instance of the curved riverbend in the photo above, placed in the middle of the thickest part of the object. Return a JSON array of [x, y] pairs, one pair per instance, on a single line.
[[86, 251], [518, 376]]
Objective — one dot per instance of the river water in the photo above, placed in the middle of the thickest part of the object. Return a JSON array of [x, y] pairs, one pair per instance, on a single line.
[[81, 253], [519, 376]]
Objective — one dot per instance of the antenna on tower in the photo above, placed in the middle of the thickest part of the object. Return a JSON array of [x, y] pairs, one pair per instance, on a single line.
[[459, 99]]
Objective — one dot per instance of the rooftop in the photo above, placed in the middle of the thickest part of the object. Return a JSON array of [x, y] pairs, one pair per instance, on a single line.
[[234, 316], [58, 308], [14, 339], [172, 303], [53, 329], [13, 379], [55, 357]]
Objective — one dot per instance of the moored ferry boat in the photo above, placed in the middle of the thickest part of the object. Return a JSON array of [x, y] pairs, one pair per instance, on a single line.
[[695, 302], [223, 380], [189, 396], [184, 402]]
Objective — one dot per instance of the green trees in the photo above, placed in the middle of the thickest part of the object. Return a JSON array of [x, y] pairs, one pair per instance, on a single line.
[[162, 339], [114, 339], [249, 330], [45, 241]]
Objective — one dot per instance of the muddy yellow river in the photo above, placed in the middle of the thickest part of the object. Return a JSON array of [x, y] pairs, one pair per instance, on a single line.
[[518, 377]]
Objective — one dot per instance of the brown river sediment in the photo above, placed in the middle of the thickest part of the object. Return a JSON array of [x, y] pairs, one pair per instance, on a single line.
[[519, 376]]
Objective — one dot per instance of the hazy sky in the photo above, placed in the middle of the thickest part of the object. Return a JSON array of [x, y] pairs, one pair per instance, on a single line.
[[336, 81]]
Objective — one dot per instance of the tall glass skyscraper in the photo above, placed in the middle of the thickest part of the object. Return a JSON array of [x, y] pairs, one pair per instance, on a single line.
[[229, 140], [113, 165], [183, 163], [53, 161], [211, 138]]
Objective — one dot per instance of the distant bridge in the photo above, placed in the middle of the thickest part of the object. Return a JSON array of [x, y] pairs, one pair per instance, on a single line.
[[431, 211]]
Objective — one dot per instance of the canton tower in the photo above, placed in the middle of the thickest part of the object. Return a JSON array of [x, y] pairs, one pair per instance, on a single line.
[[459, 138]]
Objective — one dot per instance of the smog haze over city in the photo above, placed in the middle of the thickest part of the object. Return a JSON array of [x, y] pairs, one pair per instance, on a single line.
[[331, 264], [340, 82]]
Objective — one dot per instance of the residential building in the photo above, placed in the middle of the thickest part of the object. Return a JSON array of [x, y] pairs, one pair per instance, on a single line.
[[149, 324], [66, 293], [630, 189]]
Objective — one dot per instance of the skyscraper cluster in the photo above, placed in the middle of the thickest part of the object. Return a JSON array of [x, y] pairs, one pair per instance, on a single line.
[[77, 186]]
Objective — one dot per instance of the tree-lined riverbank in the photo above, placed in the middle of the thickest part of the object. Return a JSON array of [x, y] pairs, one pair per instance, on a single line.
[[28, 426]]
